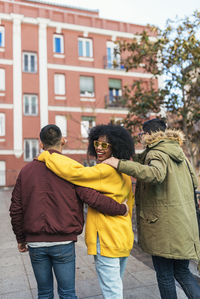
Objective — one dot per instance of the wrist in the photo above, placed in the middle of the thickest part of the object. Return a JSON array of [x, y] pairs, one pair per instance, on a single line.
[[125, 209]]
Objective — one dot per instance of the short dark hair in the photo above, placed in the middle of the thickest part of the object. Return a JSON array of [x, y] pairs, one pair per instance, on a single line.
[[120, 139], [154, 125], [50, 135]]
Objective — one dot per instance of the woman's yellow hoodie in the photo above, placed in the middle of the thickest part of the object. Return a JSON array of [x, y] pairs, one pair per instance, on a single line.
[[115, 233]]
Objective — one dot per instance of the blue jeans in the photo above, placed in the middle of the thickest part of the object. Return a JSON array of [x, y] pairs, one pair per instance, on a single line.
[[60, 259], [167, 270], [110, 273]]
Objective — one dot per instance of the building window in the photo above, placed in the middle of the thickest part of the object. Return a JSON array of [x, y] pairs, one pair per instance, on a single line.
[[2, 79], [61, 122], [58, 44], [86, 86], [59, 84], [30, 104], [113, 56], [29, 62], [2, 173], [30, 149], [85, 48], [2, 124], [2, 36], [87, 122], [115, 90]]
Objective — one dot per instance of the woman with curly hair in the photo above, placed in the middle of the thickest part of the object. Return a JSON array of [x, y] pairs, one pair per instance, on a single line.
[[119, 138], [108, 238]]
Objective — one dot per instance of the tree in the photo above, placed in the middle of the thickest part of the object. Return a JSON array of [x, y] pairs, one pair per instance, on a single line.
[[173, 55]]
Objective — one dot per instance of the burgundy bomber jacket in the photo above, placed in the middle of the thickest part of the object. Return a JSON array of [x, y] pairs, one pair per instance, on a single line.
[[46, 208]]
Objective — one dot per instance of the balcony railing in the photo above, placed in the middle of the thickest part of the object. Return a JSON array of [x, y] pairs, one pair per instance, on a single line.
[[114, 64], [115, 101]]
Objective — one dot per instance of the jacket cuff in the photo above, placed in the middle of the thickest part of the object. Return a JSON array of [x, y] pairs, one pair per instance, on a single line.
[[120, 161], [118, 164], [21, 239], [123, 209]]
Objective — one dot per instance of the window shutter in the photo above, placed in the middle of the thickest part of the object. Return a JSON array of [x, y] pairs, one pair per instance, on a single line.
[[61, 122], [2, 79], [59, 84], [115, 83], [2, 173], [34, 105], [2, 124], [87, 84], [80, 48]]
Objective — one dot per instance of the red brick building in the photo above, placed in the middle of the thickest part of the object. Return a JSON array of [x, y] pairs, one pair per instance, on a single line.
[[57, 65]]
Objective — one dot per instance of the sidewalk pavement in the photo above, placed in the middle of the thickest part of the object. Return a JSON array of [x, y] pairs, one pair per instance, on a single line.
[[17, 280]]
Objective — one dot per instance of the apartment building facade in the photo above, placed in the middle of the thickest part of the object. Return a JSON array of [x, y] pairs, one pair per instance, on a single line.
[[58, 64]]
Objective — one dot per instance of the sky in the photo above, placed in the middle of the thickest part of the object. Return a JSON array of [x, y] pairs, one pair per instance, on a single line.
[[142, 12]]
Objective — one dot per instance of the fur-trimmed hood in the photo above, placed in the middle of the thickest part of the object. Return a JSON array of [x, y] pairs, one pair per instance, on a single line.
[[168, 142], [168, 134]]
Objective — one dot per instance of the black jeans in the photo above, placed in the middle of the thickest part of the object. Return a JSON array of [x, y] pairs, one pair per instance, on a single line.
[[167, 270]]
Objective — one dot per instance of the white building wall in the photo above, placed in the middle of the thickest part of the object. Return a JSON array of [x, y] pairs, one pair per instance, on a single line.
[[43, 77], [17, 85]]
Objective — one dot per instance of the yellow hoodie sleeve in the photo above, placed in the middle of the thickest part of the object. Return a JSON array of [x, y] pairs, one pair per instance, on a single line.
[[74, 172]]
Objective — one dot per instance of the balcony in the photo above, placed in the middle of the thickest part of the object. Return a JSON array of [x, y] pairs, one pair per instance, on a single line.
[[114, 64], [115, 102]]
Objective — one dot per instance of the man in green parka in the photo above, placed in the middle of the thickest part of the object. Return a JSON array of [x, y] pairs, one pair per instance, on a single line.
[[166, 215]]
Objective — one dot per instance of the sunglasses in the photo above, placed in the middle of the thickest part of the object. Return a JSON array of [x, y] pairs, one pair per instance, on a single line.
[[104, 145]]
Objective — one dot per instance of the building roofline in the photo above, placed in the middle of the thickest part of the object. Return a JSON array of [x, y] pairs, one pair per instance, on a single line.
[[64, 5], [78, 11]]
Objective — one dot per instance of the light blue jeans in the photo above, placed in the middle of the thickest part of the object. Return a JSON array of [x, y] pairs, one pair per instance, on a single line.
[[110, 273]]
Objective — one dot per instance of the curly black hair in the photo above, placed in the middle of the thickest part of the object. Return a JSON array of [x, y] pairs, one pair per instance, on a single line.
[[120, 139]]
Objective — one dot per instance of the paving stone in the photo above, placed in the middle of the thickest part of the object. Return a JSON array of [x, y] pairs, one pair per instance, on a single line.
[[85, 273], [134, 265], [145, 277], [7, 252], [130, 281], [14, 260], [11, 271], [19, 283], [142, 293], [88, 288], [32, 281], [18, 295]]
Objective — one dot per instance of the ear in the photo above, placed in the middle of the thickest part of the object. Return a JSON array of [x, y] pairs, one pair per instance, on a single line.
[[62, 141], [41, 145]]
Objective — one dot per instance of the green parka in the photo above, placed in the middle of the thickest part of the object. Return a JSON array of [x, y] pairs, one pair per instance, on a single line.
[[166, 215]]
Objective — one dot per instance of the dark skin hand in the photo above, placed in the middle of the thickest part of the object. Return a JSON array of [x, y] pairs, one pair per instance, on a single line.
[[22, 247]]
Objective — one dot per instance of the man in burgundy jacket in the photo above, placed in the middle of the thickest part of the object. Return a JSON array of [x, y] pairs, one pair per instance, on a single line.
[[47, 215]]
